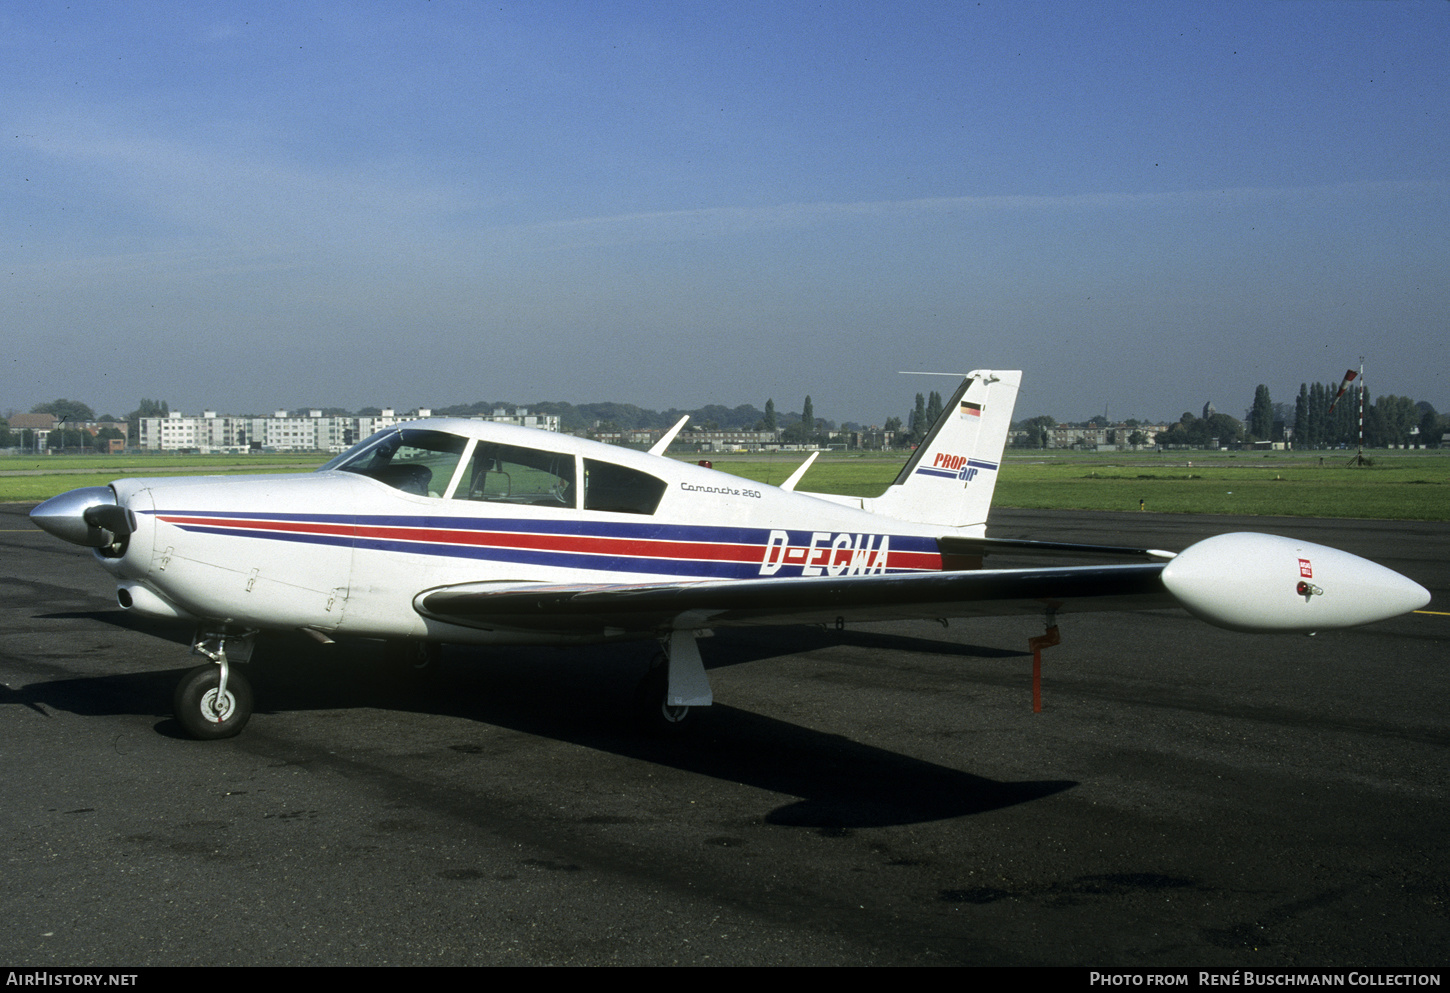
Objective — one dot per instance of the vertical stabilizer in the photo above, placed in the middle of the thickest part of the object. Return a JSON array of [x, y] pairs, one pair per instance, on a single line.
[[950, 477]]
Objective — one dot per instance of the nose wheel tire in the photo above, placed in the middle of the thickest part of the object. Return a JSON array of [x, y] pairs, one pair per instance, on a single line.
[[206, 715]]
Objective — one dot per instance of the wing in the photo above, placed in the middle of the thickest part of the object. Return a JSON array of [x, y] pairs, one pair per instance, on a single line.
[[1243, 581], [650, 608]]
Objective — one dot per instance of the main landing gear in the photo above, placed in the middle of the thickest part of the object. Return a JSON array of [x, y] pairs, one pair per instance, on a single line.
[[413, 664], [214, 700], [674, 688]]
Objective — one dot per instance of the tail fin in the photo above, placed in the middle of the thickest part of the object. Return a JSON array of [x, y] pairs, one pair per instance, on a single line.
[[950, 477]]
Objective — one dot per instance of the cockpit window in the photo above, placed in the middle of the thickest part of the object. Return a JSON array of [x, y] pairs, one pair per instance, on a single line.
[[528, 476], [411, 459], [625, 491], [424, 462], [367, 444]]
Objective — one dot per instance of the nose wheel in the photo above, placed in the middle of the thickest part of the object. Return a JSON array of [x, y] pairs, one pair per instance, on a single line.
[[209, 710]]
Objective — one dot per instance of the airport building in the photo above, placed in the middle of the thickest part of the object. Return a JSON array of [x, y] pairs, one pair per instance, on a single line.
[[691, 440], [286, 432], [742, 440], [1094, 436]]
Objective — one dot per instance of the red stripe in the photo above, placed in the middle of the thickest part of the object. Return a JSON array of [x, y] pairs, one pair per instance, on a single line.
[[639, 548], [250, 525], [644, 548]]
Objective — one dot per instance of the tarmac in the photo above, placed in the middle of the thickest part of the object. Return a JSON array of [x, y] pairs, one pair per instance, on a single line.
[[879, 795]]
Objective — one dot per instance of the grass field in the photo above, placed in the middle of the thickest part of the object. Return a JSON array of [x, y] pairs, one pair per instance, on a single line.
[[1398, 486], [30, 479]]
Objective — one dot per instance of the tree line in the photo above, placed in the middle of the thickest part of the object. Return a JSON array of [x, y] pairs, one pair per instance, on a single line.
[[1388, 420], [1313, 421], [1319, 421]]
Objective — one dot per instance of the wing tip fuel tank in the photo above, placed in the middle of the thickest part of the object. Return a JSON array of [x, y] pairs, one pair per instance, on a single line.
[[1265, 583]]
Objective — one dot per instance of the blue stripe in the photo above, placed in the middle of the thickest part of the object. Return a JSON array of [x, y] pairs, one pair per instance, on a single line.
[[695, 568], [336, 540], [756, 538], [637, 530]]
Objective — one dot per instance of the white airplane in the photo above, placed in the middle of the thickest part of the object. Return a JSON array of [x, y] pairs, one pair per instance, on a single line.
[[467, 532]]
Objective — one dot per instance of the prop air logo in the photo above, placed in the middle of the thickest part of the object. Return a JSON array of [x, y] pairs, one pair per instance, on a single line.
[[949, 466]]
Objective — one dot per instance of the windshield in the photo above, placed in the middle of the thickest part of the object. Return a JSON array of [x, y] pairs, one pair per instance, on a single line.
[[351, 453], [413, 460]]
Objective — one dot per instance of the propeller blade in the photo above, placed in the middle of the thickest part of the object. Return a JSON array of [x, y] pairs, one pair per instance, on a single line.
[[115, 519]]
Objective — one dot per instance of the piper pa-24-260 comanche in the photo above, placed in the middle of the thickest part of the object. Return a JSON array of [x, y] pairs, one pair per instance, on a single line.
[[452, 531]]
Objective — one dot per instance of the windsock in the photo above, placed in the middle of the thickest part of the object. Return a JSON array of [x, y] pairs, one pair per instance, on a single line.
[[1349, 375]]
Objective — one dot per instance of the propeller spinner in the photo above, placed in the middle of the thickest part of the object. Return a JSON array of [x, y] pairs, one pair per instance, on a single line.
[[88, 516]]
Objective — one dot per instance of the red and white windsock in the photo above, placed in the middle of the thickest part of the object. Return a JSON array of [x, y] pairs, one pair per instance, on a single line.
[[1349, 375]]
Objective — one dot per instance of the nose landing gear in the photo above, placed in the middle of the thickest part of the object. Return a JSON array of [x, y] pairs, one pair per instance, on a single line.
[[209, 708], [213, 701]]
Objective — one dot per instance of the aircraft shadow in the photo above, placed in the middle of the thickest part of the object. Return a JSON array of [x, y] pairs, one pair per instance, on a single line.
[[583, 696], [841, 783], [125, 620], [756, 643]]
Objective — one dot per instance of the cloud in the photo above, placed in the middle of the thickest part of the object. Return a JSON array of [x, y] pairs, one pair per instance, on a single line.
[[706, 222], [215, 182], [245, 197]]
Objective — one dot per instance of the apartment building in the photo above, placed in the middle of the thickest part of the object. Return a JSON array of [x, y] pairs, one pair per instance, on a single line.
[[286, 432]]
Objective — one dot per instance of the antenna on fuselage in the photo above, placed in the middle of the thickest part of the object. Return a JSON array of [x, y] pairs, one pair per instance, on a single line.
[[795, 477], [658, 448]]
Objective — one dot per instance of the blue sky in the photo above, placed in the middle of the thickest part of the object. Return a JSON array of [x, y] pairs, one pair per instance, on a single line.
[[249, 206]]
